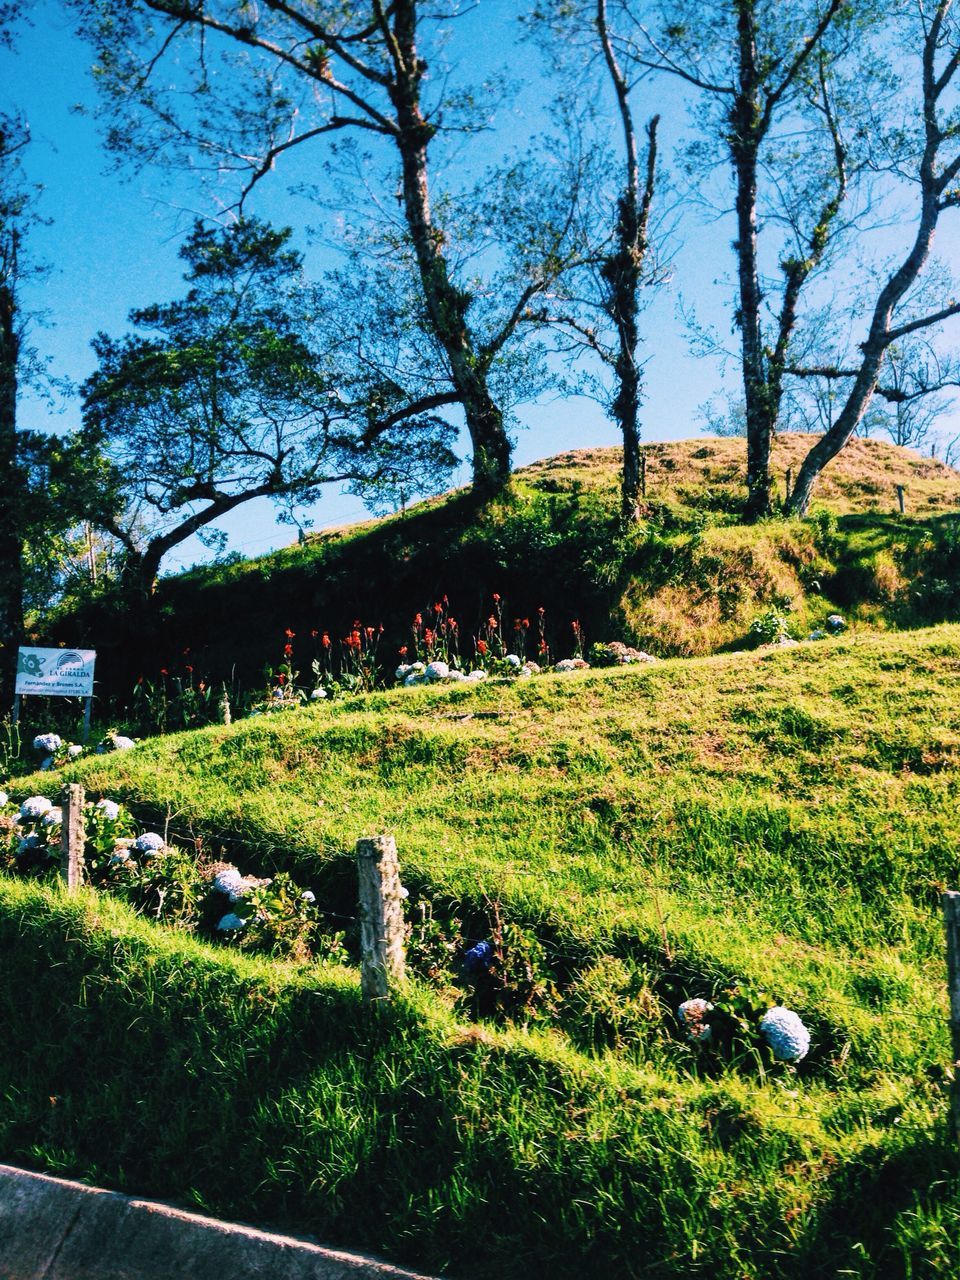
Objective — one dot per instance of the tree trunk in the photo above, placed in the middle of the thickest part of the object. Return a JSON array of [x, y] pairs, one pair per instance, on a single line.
[[881, 335], [744, 144], [446, 304], [11, 497]]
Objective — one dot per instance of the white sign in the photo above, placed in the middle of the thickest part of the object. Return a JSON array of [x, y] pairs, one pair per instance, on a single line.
[[56, 673]]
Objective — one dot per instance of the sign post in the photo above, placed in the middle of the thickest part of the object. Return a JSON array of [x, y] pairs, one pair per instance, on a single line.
[[56, 673]]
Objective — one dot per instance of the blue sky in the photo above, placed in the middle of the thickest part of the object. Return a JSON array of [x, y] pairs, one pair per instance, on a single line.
[[113, 237]]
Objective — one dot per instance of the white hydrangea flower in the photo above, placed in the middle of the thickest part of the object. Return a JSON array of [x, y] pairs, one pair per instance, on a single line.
[[49, 742], [403, 671], [230, 923], [318, 693], [415, 677], [438, 671], [148, 844], [785, 1033], [512, 660], [109, 808], [476, 676], [4, 798], [693, 1018], [308, 896], [119, 856], [74, 750], [53, 817], [34, 808]]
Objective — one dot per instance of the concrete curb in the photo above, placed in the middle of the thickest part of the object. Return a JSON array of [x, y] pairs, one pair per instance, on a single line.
[[51, 1229]]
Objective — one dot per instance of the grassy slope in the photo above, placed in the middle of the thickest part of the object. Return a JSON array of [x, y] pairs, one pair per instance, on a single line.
[[788, 817], [688, 582]]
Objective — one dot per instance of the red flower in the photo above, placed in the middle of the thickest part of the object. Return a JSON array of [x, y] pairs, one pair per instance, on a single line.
[[492, 622], [289, 634], [418, 620], [428, 637], [369, 633], [164, 671], [541, 611], [575, 627], [288, 650], [314, 633], [325, 640], [281, 678], [481, 647], [525, 623], [438, 608], [189, 668], [496, 598], [139, 679], [403, 651]]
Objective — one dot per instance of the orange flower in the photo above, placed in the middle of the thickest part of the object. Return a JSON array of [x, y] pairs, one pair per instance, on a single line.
[[481, 647], [289, 634]]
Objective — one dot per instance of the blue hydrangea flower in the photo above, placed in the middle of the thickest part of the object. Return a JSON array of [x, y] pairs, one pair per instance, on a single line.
[[785, 1034], [49, 742], [28, 844], [34, 808], [149, 843], [230, 883], [110, 809], [836, 623], [230, 923], [478, 959]]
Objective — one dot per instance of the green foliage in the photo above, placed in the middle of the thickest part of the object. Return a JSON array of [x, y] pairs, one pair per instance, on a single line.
[[769, 627]]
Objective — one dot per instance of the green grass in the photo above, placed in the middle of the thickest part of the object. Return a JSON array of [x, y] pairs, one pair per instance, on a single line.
[[787, 818], [687, 581]]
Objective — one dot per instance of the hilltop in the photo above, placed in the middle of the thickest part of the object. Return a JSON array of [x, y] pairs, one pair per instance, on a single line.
[[688, 580]]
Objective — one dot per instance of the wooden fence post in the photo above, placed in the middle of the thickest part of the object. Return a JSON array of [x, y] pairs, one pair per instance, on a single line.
[[951, 920], [643, 475], [900, 497], [71, 836], [381, 917]]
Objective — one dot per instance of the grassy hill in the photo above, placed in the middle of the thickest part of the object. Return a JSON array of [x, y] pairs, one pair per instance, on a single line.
[[781, 820], [688, 581]]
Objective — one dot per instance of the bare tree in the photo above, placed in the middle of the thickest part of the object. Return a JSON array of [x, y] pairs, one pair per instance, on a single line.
[[619, 257], [937, 178], [760, 70]]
